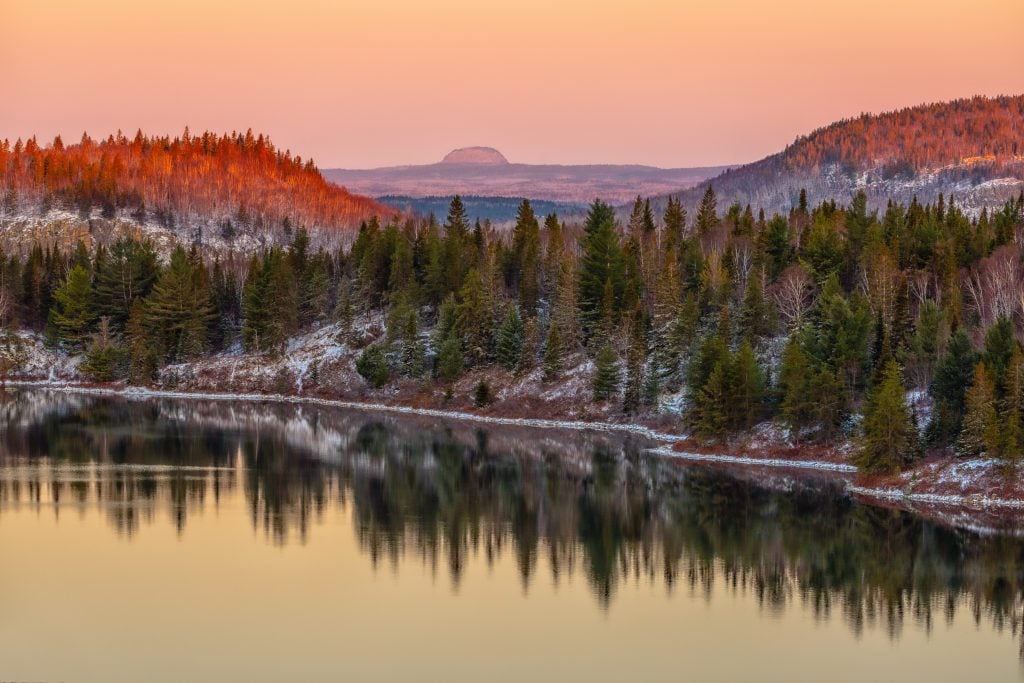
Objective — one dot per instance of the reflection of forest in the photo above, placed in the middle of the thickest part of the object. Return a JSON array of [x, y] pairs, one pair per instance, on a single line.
[[575, 503]]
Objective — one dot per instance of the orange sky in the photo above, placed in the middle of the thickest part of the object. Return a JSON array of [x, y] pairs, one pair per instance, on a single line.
[[380, 82]]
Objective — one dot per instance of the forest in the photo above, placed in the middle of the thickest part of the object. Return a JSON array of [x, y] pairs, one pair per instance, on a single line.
[[823, 320], [236, 179]]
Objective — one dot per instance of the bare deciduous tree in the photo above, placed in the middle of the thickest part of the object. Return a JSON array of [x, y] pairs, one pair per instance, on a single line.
[[994, 286], [793, 294]]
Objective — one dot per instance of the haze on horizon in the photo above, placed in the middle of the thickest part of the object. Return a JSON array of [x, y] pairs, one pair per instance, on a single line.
[[364, 84]]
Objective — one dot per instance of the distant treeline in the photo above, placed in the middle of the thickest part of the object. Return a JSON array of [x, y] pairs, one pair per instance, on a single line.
[[809, 318], [484, 208]]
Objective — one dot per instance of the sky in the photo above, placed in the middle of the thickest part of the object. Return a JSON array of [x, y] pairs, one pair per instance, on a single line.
[[383, 82]]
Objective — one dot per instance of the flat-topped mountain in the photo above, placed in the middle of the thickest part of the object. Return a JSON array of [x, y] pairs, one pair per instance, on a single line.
[[484, 171], [475, 155]]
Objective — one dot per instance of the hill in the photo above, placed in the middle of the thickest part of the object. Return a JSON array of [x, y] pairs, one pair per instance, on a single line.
[[970, 148], [210, 186], [483, 171]]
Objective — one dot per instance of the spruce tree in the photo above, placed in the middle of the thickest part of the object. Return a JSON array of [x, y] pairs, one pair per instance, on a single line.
[[510, 339], [746, 388], [953, 375], [72, 315], [606, 374], [179, 310], [710, 410], [531, 344], [127, 271], [1011, 413], [372, 364], [795, 375], [450, 361], [602, 276], [707, 214], [890, 437], [553, 354], [980, 431]]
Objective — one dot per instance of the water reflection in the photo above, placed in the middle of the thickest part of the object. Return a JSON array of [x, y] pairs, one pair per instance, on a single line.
[[591, 505]]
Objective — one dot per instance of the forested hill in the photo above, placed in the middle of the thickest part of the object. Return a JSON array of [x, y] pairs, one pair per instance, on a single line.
[[225, 185], [970, 148]]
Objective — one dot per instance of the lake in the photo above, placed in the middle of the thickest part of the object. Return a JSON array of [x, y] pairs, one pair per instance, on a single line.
[[180, 540]]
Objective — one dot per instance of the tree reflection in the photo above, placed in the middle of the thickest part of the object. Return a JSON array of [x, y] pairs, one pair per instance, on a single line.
[[566, 504]]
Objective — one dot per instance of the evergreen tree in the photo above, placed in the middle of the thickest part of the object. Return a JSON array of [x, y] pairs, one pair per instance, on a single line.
[[72, 314], [372, 365], [105, 360], [606, 374], [707, 212], [510, 339], [980, 431], [1000, 342], [531, 344], [754, 319], [179, 310], [953, 374], [553, 354], [450, 362], [746, 389], [890, 437], [1011, 413], [602, 277], [710, 411], [635, 354], [526, 254], [475, 319], [127, 271]]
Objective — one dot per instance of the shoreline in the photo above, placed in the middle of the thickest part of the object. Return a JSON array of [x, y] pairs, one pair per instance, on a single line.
[[841, 471]]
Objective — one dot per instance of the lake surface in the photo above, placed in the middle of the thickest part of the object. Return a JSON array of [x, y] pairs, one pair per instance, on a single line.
[[171, 540]]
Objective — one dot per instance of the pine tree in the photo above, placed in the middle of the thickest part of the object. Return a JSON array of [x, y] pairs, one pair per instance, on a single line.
[[450, 362], [553, 354], [526, 255], [105, 360], [710, 411], [707, 215], [746, 387], [1000, 342], [179, 310], [890, 437], [127, 271], [602, 277], [795, 377], [1011, 414], [754, 319], [475, 319], [372, 365], [72, 315], [980, 431], [510, 339], [635, 355], [606, 374], [563, 311], [953, 374], [531, 344]]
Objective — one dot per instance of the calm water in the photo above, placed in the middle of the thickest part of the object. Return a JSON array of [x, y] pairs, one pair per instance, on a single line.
[[205, 541]]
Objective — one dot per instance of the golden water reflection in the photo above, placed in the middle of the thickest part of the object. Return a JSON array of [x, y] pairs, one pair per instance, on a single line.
[[314, 542]]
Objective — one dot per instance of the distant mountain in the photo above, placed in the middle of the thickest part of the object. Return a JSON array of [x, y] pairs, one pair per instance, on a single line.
[[498, 210], [483, 171], [970, 148], [475, 155]]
